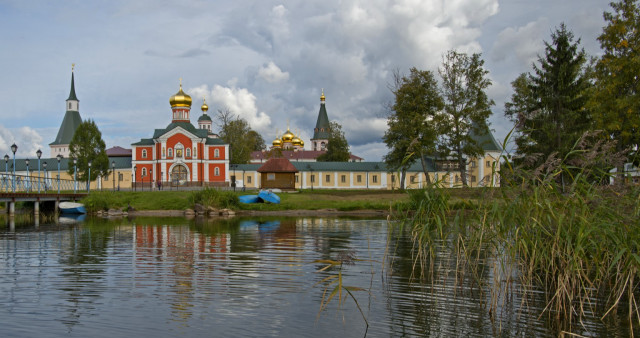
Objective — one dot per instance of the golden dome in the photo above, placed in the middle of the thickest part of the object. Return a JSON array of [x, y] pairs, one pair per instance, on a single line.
[[180, 99], [322, 96], [288, 136], [204, 105], [277, 143], [296, 141]]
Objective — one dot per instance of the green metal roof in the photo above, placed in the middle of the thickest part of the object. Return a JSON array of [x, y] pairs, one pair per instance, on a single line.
[[322, 124], [204, 117], [70, 123], [52, 164], [485, 139], [143, 142], [72, 94], [202, 133], [340, 166]]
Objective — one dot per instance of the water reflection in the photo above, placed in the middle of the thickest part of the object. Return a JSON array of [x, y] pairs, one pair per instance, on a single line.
[[244, 277]]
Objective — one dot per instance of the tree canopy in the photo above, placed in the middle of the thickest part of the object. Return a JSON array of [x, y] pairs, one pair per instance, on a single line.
[[548, 107], [242, 140], [413, 127], [87, 146], [466, 107], [616, 100], [337, 146]]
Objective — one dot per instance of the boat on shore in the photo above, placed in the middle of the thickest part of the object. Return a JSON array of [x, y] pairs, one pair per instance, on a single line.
[[249, 199], [72, 208], [268, 196]]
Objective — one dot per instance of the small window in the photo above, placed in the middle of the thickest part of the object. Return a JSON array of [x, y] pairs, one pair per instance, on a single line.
[[216, 153], [271, 177], [473, 164], [144, 153], [413, 179], [144, 171], [170, 152], [374, 178], [296, 178], [343, 178], [188, 152], [488, 164], [327, 178], [249, 179], [120, 177], [216, 171], [359, 178], [473, 179], [313, 178]]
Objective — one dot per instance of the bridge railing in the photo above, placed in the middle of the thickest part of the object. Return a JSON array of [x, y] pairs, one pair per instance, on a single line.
[[35, 184]]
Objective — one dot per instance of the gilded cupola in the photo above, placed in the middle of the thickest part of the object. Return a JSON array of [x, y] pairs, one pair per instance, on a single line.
[[180, 99], [288, 136]]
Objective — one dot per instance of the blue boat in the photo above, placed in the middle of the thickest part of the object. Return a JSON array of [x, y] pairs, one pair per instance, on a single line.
[[249, 199], [72, 208], [268, 196]]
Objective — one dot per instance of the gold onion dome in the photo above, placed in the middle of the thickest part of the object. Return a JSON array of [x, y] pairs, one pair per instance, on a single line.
[[288, 136], [277, 143], [204, 106], [181, 99], [297, 141]]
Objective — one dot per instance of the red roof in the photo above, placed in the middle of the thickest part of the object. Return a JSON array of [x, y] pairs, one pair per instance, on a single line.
[[299, 155], [118, 152], [277, 165]]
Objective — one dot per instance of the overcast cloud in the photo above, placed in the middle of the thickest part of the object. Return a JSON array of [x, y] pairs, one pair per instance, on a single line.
[[266, 61]]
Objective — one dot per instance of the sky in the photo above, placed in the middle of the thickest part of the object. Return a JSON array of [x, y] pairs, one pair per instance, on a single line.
[[266, 61]]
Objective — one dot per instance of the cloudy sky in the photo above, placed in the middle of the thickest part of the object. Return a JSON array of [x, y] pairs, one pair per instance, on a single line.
[[266, 61]]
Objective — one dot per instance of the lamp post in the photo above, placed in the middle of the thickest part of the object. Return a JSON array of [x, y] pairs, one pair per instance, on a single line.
[[113, 172], [59, 157], [14, 148], [45, 175], [151, 187], [39, 154], [89, 178], [75, 171], [27, 184], [6, 170], [135, 168]]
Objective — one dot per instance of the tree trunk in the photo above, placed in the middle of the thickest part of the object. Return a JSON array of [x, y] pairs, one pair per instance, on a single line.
[[424, 169], [403, 175]]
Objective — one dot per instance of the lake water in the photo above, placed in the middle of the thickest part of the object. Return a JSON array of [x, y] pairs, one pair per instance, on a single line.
[[169, 277]]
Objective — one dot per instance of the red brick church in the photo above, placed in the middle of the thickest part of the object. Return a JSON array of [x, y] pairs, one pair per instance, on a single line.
[[182, 154]]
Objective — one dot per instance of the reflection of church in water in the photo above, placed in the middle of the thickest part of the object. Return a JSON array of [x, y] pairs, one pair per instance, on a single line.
[[182, 153]]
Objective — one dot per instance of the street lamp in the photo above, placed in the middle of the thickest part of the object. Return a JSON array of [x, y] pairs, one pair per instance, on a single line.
[[75, 170], [27, 185], [39, 154], [151, 180], [45, 175], [59, 157], [6, 170], [113, 172], [135, 168], [14, 148], [89, 178]]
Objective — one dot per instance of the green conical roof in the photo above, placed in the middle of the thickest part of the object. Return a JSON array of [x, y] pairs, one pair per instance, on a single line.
[[72, 94], [70, 123], [322, 125]]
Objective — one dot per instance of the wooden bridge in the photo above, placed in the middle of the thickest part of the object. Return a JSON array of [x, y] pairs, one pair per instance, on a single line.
[[22, 188]]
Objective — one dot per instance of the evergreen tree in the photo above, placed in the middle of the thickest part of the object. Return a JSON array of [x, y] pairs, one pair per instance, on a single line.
[[337, 146], [466, 107], [87, 146], [548, 106], [616, 99], [414, 124]]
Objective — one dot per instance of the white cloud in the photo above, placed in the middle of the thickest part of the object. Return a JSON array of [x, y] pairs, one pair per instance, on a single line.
[[272, 73], [524, 42], [27, 139], [243, 103]]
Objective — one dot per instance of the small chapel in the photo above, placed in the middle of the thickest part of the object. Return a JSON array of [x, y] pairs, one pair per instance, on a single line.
[[181, 154]]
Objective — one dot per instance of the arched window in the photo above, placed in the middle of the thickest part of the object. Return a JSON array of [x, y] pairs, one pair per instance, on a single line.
[[216, 153], [188, 152], [144, 171], [216, 171], [170, 152], [144, 153]]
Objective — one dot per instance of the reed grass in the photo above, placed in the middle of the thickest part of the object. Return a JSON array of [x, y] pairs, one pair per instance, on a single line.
[[555, 228]]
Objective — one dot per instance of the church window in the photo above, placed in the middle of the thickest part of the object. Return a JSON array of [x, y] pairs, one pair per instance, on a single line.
[[170, 152], [144, 171], [188, 153], [322, 146], [216, 153], [216, 171], [144, 153], [69, 105]]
